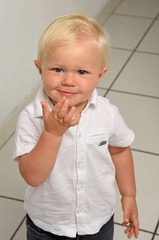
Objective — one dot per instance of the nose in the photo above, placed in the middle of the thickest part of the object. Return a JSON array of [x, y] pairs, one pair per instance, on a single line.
[[69, 80]]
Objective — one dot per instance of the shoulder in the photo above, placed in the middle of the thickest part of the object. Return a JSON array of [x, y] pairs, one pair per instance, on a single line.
[[105, 106], [101, 113], [109, 112], [28, 125], [27, 113], [109, 109], [104, 101]]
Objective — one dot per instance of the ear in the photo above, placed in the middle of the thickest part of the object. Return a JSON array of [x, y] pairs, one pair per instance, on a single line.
[[101, 74], [38, 65]]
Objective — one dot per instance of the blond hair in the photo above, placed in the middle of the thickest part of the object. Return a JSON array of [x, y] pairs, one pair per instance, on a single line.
[[71, 28]]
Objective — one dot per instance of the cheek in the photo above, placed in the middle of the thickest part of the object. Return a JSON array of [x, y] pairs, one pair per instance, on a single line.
[[48, 81], [88, 85]]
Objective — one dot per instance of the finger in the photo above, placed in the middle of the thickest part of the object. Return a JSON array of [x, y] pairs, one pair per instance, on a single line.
[[136, 234], [126, 216], [75, 121], [58, 105], [128, 231], [136, 228], [63, 110], [70, 116], [131, 232], [45, 109], [126, 221]]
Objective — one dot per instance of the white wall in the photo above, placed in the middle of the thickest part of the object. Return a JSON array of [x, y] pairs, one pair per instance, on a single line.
[[21, 23]]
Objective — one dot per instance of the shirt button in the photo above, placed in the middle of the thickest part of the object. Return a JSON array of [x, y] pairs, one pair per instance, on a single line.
[[80, 188], [80, 163], [79, 135], [79, 211]]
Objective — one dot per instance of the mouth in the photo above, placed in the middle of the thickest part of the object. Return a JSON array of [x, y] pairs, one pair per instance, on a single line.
[[66, 93]]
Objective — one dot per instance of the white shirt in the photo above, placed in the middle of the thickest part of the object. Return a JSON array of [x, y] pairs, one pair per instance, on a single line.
[[79, 195]]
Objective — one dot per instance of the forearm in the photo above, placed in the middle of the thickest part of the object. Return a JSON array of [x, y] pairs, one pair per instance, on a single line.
[[37, 165], [123, 162]]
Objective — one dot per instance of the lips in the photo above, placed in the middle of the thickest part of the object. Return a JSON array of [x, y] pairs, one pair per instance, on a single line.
[[67, 93]]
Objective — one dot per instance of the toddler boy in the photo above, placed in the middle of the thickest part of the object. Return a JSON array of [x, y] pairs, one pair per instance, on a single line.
[[71, 144]]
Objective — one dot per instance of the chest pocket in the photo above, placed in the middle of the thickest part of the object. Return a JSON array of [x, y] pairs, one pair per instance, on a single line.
[[99, 138], [97, 145]]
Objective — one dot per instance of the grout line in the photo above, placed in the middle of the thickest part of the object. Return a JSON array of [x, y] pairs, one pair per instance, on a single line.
[[119, 73], [107, 11], [120, 48], [155, 232], [142, 151], [150, 53], [133, 16], [132, 93], [147, 30], [105, 89], [18, 228], [10, 198], [140, 229], [117, 7], [113, 11], [138, 51]]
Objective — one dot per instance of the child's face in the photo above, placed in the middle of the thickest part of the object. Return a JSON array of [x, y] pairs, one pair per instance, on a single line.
[[72, 71]]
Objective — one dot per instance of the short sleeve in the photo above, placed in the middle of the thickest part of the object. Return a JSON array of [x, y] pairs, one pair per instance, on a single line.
[[26, 135], [120, 134]]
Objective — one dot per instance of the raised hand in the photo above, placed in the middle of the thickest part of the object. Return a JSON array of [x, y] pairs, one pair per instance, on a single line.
[[60, 118]]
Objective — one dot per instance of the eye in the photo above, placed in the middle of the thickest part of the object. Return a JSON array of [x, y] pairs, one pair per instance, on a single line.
[[82, 72], [58, 70]]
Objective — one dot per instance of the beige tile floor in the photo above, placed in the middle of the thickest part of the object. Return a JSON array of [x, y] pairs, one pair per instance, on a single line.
[[132, 83]]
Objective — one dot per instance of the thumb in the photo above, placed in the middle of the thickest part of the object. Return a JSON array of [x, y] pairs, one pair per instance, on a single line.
[[45, 109], [126, 206], [126, 216]]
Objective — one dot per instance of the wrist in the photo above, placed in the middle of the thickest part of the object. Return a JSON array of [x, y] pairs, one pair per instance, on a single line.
[[128, 197], [52, 136], [56, 131]]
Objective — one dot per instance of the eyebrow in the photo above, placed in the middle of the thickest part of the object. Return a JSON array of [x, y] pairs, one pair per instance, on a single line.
[[79, 67]]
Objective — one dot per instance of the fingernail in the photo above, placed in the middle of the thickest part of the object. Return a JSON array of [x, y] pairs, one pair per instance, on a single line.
[[67, 101], [126, 220]]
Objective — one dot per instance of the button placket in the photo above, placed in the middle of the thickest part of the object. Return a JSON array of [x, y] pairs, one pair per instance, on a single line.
[[81, 179]]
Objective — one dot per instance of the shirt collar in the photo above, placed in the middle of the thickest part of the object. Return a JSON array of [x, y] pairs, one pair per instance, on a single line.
[[93, 98], [42, 96], [92, 101]]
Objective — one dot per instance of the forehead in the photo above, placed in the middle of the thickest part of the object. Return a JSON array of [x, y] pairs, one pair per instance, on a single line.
[[82, 50]]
